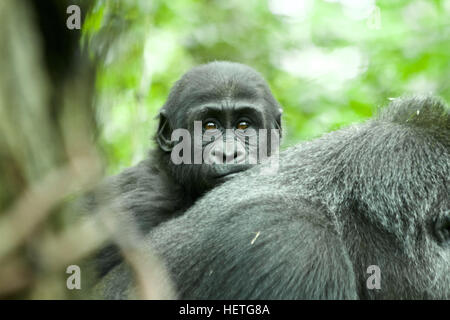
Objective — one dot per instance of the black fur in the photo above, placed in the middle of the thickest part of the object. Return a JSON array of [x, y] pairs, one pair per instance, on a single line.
[[156, 190], [371, 194]]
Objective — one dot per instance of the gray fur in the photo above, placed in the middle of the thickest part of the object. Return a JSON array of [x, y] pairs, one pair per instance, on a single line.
[[369, 194]]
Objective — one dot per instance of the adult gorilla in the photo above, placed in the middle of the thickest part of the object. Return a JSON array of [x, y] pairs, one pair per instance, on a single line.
[[370, 194], [221, 95]]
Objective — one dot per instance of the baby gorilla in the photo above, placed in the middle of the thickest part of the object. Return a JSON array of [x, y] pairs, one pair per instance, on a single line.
[[221, 106]]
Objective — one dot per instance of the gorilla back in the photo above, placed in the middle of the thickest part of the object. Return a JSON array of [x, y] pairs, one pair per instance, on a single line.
[[373, 196]]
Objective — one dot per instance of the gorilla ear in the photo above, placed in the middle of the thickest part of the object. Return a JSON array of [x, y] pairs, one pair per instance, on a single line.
[[163, 136]]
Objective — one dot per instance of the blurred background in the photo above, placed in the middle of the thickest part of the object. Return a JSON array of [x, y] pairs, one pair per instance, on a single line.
[[329, 63], [78, 105]]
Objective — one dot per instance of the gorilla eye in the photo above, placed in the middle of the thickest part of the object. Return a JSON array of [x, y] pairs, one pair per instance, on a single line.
[[242, 125], [210, 125]]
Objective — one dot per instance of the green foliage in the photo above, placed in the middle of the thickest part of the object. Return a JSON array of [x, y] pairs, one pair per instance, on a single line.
[[329, 63]]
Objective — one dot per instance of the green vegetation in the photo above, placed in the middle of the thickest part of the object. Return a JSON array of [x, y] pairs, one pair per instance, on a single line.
[[329, 63]]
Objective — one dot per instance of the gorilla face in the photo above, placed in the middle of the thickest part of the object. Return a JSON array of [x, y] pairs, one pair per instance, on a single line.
[[223, 106]]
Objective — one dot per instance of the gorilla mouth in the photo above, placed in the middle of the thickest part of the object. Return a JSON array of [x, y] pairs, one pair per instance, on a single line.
[[228, 176], [226, 172]]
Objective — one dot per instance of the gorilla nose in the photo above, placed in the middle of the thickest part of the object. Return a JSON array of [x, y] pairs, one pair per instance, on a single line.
[[228, 153]]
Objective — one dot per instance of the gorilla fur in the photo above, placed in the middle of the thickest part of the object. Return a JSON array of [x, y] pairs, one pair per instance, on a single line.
[[375, 193]]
